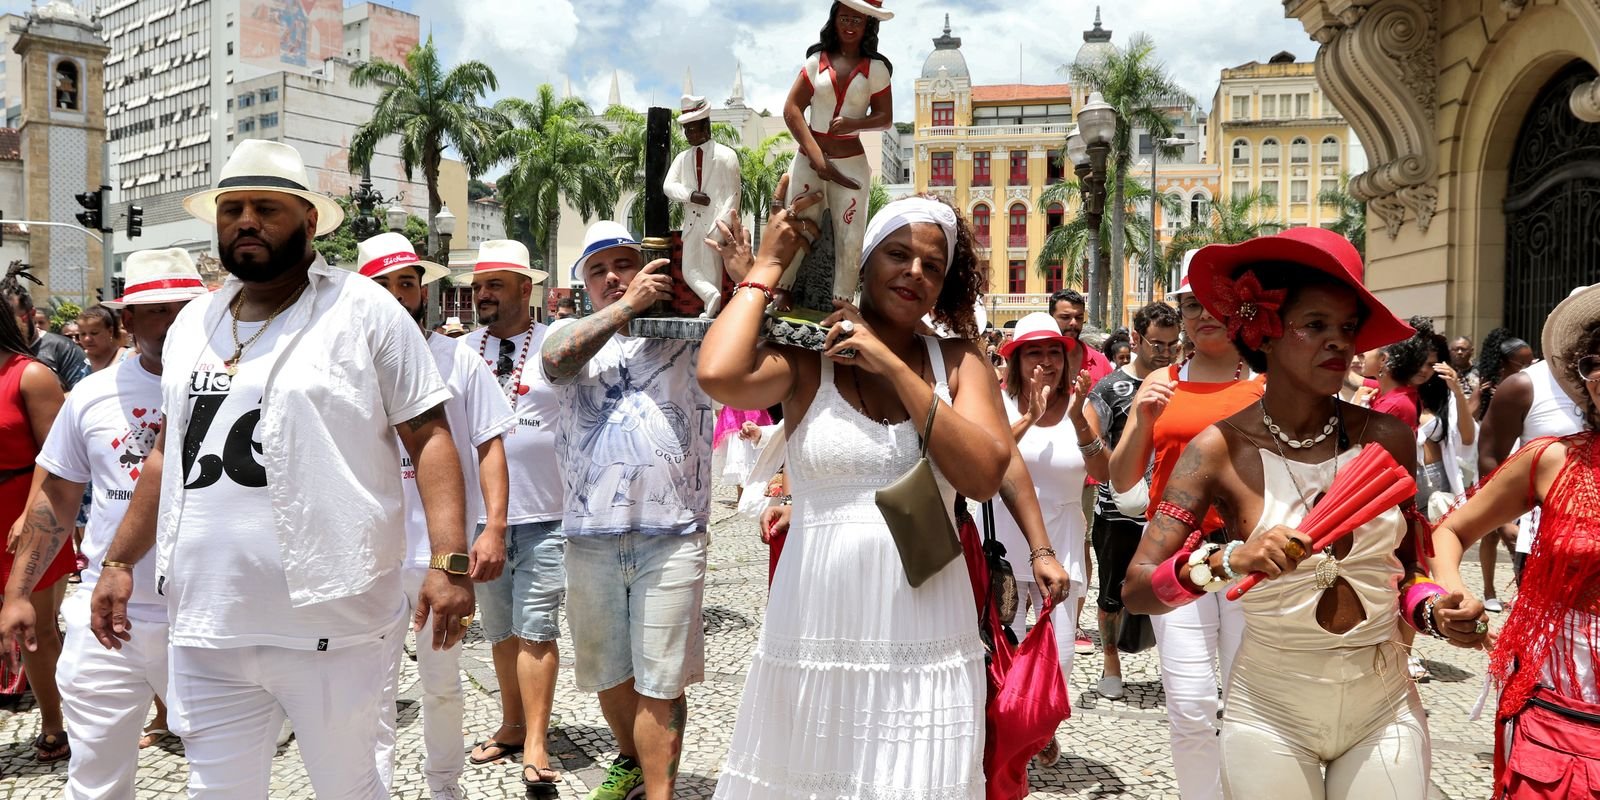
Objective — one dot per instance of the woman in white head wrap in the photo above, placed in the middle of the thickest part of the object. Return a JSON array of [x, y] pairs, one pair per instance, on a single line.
[[862, 686]]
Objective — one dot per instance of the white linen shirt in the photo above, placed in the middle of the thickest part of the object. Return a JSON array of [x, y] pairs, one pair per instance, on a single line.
[[356, 365]]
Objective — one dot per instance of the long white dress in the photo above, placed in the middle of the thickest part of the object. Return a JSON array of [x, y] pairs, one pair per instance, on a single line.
[[861, 686]]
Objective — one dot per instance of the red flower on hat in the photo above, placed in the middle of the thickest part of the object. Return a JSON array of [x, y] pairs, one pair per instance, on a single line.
[[1250, 311]]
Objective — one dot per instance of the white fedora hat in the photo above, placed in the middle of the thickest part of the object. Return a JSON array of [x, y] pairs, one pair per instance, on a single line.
[[387, 252], [159, 276], [601, 236], [258, 165], [506, 255], [872, 8], [694, 109]]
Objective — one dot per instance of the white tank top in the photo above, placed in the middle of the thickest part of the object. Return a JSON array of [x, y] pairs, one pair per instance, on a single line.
[[1058, 471], [1552, 412]]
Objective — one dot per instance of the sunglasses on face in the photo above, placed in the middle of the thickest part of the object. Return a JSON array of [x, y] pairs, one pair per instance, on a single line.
[[1589, 368], [503, 366]]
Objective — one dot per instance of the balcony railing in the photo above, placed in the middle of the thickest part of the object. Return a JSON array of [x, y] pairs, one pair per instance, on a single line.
[[1017, 302], [982, 242], [942, 180], [1017, 240], [982, 131], [1019, 179]]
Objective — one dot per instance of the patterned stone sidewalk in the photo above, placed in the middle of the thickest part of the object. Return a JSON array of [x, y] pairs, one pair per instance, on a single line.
[[1111, 748]]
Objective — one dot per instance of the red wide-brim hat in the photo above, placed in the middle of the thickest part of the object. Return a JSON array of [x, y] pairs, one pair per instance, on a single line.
[[1316, 248]]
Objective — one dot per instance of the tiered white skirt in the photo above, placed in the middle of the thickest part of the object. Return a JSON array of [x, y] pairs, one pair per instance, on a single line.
[[861, 687]]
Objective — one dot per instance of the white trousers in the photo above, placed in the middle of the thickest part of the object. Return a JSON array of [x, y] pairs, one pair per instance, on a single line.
[[228, 705], [702, 267], [848, 210], [443, 705], [1191, 641], [105, 695]]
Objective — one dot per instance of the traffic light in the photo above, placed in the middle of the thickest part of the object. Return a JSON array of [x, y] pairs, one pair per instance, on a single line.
[[93, 210], [135, 221]]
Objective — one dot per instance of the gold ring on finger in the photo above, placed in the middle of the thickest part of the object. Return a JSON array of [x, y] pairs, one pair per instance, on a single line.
[[466, 621], [1295, 550]]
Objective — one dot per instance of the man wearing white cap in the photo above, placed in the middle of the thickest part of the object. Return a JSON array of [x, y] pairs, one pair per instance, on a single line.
[[479, 416], [634, 435], [521, 608], [279, 527], [705, 179], [102, 436]]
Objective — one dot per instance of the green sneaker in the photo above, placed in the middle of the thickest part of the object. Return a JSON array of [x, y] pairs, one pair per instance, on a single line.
[[624, 780]]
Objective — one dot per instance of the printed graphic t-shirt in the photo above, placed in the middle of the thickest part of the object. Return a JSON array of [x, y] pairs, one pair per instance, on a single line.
[[1112, 399], [225, 583], [531, 462], [105, 429], [634, 437]]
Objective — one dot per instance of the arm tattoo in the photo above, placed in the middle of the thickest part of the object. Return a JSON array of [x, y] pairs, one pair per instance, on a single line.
[[420, 421], [42, 536], [568, 349]]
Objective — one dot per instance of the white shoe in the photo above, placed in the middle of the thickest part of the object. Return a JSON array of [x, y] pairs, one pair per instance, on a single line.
[[1110, 687], [1494, 604], [1419, 671], [285, 733]]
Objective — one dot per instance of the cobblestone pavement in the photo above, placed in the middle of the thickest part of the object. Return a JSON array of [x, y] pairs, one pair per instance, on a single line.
[[1110, 748]]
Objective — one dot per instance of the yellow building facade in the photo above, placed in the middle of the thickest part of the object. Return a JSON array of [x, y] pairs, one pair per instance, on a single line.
[[1272, 131]]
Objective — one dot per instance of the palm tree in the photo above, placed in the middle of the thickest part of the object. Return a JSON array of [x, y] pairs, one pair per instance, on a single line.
[[760, 169], [1238, 219], [431, 109], [1068, 244], [557, 153], [1141, 90], [1352, 222]]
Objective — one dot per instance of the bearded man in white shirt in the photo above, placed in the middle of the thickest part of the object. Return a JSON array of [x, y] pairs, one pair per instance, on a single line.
[[102, 436], [279, 523]]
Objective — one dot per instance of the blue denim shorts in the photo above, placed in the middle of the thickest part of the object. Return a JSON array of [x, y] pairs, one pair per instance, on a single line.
[[635, 603], [525, 601]]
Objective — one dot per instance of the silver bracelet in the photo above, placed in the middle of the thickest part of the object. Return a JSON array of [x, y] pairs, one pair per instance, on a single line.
[[1092, 449]]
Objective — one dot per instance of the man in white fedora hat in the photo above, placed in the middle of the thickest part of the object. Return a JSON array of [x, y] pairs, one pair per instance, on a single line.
[[279, 532], [634, 437], [479, 416], [705, 179], [102, 436], [520, 610]]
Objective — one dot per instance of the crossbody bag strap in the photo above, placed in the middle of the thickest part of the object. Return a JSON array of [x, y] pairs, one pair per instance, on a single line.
[[927, 428]]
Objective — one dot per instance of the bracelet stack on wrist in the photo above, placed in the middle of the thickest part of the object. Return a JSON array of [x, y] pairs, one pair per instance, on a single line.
[[1427, 618], [1040, 552], [1093, 448]]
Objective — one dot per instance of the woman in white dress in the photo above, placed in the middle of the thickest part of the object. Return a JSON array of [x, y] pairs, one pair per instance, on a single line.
[[861, 686]]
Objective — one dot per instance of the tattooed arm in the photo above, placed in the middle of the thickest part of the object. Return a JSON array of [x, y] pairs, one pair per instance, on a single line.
[[1191, 488], [447, 598], [571, 346], [46, 526]]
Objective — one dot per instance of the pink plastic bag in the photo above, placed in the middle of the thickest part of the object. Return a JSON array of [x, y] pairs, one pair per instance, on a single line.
[[1024, 714]]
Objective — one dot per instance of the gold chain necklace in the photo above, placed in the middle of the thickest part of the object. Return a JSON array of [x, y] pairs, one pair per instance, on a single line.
[[239, 347]]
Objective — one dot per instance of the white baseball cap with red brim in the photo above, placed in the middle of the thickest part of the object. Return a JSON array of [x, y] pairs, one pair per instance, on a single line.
[[387, 252], [506, 255], [159, 276], [1037, 327], [1177, 295]]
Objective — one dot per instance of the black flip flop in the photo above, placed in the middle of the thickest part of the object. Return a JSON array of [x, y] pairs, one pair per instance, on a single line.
[[541, 789], [506, 751]]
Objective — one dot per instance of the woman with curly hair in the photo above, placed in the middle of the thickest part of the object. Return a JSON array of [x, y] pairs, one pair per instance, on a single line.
[[1547, 736], [862, 686], [1502, 356]]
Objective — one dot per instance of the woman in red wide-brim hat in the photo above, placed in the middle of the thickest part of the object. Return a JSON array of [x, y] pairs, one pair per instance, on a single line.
[[1318, 701]]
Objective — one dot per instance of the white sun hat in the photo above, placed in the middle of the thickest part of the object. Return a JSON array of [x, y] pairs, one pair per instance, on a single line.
[[387, 252], [694, 109], [506, 255], [159, 276], [872, 8], [603, 235], [258, 165]]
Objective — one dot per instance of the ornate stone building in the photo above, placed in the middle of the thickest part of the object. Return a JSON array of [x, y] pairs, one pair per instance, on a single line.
[[1479, 121]]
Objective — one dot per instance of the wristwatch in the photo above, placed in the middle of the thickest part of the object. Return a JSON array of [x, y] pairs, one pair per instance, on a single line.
[[453, 563], [1200, 569]]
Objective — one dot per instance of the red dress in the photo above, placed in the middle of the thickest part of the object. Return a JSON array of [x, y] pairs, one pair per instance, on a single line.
[[16, 460]]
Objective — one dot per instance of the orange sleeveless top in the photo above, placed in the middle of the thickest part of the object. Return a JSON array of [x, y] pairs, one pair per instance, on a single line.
[[1194, 407]]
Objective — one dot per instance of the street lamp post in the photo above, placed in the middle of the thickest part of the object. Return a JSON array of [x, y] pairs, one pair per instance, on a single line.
[[444, 223], [1155, 203], [1097, 124], [397, 217], [365, 224]]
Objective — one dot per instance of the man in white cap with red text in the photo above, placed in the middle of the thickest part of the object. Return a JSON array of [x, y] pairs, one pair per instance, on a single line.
[[275, 508], [520, 610], [101, 436], [479, 416], [705, 179], [634, 434]]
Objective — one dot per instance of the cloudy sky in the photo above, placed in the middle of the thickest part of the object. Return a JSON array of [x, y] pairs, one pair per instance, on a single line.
[[651, 43]]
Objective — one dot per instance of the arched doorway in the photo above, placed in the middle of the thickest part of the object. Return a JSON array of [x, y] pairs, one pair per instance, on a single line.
[[1552, 206]]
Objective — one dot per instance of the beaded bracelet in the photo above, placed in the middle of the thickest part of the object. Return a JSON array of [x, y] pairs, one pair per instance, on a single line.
[[765, 290], [1040, 552], [1177, 512], [1427, 618], [1227, 556]]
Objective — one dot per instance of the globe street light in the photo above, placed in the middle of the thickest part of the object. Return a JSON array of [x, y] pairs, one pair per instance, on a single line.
[[1097, 125], [444, 224], [397, 217], [1155, 202]]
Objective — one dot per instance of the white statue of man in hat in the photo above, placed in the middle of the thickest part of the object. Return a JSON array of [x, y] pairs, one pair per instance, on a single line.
[[705, 179]]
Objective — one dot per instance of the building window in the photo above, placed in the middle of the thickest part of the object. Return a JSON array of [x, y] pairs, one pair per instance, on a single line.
[[980, 224], [944, 115], [1297, 191], [1302, 106], [247, 100], [1018, 233], [1299, 151], [1199, 209], [1241, 151], [981, 175], [1055, 167], [1019, 168], [230, 48], [1269, 106], [1146, 144], [1240, 188], [1269, 152], [1054, 278], [1241, 108], [1270, 189], [1330, 186], [1054, 217], [247, 124], [269, 94], [1017, 279], [944, 169], [269, 120], [1330, 150], [67, 86]]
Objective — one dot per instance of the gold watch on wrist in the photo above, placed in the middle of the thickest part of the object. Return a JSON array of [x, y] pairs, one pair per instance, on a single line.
[[452, 563]]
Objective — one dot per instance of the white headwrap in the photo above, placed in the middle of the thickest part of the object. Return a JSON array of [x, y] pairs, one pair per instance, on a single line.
[[901, 213]]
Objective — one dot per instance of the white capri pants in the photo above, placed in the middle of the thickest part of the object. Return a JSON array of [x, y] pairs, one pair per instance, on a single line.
[[443, 706], [105, 695], [1191, 641], [848, 210]]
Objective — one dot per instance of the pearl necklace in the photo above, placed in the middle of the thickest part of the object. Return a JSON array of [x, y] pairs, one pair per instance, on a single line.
[[514, 386], [1299, 444]]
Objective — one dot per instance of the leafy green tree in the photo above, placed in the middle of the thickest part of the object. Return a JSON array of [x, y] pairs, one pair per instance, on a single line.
[[63, 312], [1352, 223], [877, 197], [1068, 244], [557, 153], [339, 247], [626, 147], [760, 169], [1238, 219], [1142, 91], [430, 108]]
